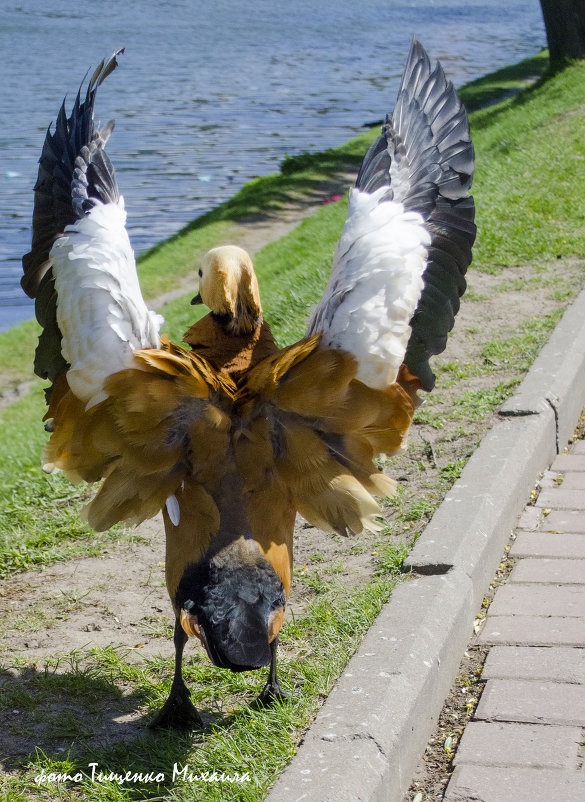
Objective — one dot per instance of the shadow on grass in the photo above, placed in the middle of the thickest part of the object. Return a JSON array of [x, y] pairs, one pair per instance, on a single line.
[[64, 722], [262, 199], [504, 83], [74, 711]]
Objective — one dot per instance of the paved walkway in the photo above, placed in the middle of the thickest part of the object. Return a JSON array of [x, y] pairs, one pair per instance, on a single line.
[[526, 742]]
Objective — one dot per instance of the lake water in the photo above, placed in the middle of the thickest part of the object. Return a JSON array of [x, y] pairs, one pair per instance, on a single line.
[[206, 98]]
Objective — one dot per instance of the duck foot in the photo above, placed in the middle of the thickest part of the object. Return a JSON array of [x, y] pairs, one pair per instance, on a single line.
[[178, 712], [272, 692]]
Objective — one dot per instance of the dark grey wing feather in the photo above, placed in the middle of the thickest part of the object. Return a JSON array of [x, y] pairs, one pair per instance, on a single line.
[[73, 171], [425, 156]]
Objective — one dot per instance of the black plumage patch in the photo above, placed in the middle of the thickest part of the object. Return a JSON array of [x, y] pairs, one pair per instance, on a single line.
[[233, 595]]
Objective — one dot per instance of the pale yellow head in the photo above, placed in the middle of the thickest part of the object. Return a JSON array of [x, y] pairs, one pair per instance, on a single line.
[[228, 286]]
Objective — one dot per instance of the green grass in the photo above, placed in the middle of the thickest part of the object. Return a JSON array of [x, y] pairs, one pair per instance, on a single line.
[[39, 513], [496, 86], [531, 173], [521, 348], [17, 346], [316, 646]]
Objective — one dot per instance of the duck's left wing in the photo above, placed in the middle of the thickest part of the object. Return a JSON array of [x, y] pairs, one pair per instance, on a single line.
[[399, 267], [81, 268]]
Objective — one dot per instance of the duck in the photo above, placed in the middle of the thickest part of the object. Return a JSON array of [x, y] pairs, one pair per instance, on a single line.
[[229, 434]]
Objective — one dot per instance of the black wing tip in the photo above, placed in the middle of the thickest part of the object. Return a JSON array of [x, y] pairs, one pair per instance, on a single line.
[[426, 92], [105, 67], [54, 207]]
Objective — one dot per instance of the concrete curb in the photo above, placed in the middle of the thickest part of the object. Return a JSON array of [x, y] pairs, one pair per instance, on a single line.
[[374, 726]]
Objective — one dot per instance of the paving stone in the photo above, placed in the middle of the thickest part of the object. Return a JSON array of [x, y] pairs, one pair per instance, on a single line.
[[557, 572], [578, 447], [504, 744], [531, 518], [568, 462], [552, 663], [547, 544], [561, 521], [551, 479], [561, 499], [532, 702], [526, 630], [537, 600], [574, 480], [496, 784]]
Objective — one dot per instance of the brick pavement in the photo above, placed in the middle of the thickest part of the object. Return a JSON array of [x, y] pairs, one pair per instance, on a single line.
[[526, 742]]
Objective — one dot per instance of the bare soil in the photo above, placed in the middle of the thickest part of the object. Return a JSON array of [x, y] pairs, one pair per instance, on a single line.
[[50, 618]]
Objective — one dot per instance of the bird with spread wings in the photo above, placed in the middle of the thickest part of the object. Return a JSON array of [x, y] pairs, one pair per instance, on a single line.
[[230, 435]]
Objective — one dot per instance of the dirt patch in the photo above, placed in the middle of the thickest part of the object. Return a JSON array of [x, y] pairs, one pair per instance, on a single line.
[[14, 392]]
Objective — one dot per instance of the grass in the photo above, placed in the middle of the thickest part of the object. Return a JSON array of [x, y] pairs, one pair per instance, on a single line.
[[508, 81], [316, 647], [530, 156]]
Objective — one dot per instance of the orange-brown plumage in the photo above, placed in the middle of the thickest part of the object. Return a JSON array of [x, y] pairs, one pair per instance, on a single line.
[[231, 353], [232, 438], [239, 435]]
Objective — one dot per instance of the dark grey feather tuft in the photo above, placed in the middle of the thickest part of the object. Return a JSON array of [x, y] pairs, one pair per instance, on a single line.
[[232, 602], [74, 171]]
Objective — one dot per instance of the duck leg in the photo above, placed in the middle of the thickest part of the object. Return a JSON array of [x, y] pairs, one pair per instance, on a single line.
[[178, 711], [272, 691]]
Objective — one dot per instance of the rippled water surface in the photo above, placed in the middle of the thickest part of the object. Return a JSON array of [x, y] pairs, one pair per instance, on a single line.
[[206, 98]]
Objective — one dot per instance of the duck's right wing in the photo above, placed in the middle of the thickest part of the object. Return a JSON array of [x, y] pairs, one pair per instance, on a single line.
[[81, 269], [398, 271]]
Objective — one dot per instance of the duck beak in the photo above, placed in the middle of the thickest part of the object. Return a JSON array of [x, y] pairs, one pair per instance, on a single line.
[[190, 624], [197, 300]]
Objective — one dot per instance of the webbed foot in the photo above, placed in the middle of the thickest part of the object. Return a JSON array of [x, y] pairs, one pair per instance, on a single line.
[[272, 692], [178, 712]]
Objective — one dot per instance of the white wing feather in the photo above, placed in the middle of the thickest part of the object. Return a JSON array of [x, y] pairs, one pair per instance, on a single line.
[[374, 287], [100, 309]]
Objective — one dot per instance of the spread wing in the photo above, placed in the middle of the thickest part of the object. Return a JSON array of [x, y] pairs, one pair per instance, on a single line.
[[399, 267], [81, 267], [309, 423], [125, 407]]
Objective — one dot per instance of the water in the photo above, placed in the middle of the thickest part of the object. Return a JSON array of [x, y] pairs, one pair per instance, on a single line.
[[207, 98]]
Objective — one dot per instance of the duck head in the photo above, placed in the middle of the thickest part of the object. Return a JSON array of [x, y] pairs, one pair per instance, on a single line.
[[233, 601], [229, 287]]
